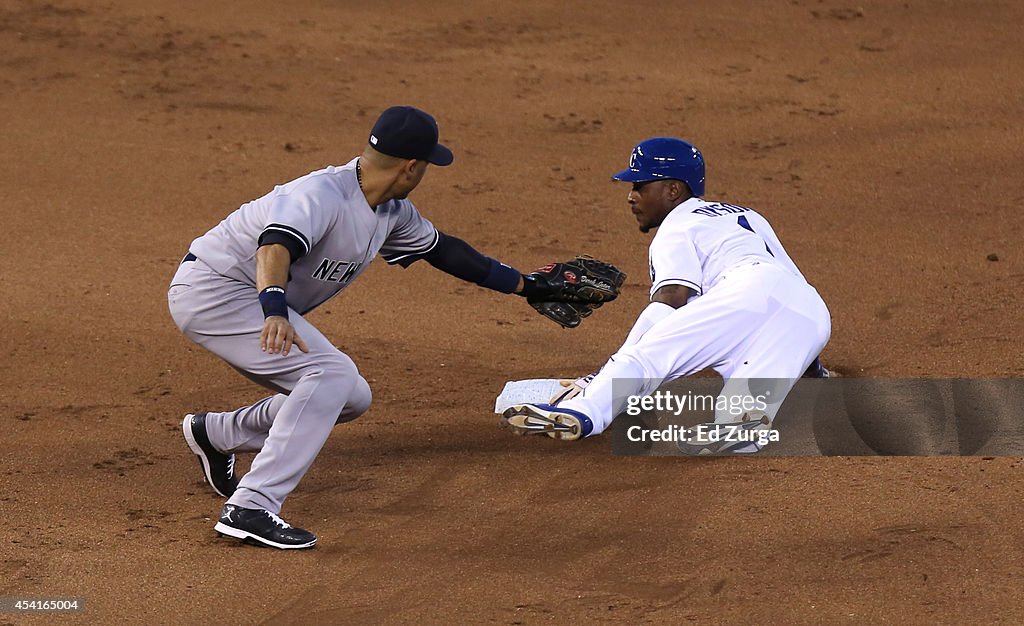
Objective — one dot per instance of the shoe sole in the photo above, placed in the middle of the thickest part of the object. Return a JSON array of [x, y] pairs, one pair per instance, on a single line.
[[204, 462], [525, 420], [248, 537], [720, 447]]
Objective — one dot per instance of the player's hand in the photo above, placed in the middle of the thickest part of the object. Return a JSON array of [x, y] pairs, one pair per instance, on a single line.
[[569, 393], [572, 389], [279, 335]]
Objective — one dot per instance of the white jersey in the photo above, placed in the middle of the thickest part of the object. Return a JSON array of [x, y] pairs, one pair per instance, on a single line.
[[753, 315], [699, 241], [327, 219]]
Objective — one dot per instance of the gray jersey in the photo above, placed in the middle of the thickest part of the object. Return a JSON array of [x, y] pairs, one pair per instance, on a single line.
[[333, 228]]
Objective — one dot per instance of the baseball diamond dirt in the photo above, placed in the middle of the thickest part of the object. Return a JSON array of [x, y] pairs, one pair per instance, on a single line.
[[882, 140]]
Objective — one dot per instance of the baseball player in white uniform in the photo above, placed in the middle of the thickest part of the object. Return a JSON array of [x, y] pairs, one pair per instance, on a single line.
[[724, 295], [243, 288]]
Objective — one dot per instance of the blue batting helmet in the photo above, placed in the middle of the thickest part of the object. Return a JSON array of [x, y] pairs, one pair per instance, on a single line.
[[663, 158]]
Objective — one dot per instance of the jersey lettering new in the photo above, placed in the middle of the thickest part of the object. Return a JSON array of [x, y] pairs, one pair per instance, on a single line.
[[700, 241]]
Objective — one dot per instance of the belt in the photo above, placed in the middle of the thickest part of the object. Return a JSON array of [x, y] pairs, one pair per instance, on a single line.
[[189, 257]]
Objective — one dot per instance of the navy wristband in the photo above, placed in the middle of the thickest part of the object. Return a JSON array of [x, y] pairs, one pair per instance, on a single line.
[[273, 301], [501, 277]]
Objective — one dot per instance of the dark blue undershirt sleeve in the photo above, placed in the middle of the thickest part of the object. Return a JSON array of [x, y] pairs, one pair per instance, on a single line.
[[456, 257], [296, 248]]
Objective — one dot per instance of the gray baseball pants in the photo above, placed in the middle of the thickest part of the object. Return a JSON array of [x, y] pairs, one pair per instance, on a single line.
[[315, 390]]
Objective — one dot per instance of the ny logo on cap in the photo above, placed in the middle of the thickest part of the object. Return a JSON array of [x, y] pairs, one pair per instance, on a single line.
[[373, 139]]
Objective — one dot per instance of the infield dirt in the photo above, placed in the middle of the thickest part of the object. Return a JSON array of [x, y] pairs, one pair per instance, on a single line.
[[882, 139]]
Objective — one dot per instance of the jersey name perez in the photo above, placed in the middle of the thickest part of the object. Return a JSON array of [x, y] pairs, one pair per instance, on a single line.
[[718, 209]]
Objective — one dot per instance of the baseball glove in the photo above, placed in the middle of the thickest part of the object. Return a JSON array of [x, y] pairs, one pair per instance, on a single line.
[[569, 291], [565, 314]]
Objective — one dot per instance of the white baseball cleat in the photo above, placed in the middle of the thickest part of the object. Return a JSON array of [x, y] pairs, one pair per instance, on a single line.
[[749, 436]]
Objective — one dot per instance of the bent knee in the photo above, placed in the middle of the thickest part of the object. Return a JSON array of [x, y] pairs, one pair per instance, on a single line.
[[358, 401], [343, 390], [338, 362]]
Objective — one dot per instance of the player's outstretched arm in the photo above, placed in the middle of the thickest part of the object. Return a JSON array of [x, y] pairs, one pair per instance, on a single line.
[[272, 263], [564, 292], [456, 257], [587, 285]]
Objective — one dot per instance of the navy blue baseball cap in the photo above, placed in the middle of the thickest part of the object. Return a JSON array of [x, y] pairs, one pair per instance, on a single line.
[[409, 133]]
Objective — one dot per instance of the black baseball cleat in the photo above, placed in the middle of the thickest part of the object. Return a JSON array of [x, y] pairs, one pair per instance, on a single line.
[[218, 468], [261, 527]]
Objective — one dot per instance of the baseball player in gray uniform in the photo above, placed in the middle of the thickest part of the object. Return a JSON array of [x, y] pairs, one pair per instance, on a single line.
[[243, 288]]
